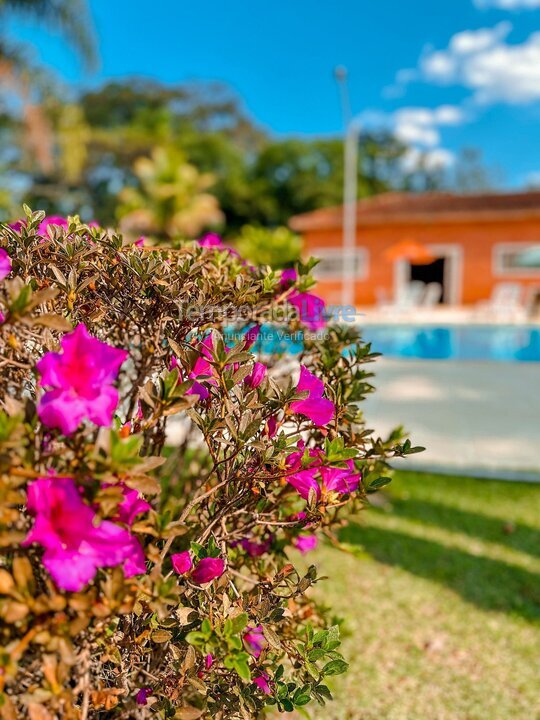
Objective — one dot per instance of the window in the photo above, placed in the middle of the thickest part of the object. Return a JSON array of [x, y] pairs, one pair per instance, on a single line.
[[331, 263], [516, 259]]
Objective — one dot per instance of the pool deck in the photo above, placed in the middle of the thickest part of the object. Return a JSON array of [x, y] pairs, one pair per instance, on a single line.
[[474, 418]]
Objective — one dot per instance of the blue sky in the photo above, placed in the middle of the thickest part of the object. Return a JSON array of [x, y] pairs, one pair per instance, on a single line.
[[444, 74]]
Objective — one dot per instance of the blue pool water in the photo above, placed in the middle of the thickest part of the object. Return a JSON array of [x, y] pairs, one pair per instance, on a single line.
[[508, 343], [460, 342]]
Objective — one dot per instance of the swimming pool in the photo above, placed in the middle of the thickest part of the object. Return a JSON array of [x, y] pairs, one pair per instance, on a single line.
[[508, 343]]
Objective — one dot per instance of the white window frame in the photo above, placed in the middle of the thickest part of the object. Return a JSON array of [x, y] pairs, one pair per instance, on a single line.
[[336, 253], [497, 260]]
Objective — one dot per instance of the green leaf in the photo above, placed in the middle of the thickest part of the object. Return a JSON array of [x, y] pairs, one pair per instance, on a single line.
[[335, 667], [379, 483], [238, 623], [242, 668]]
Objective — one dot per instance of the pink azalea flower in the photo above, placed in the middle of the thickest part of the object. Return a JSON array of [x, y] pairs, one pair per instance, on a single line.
[[320, 478], [5, 264], [75, 544], [253, 548], [208, 569], [306, 543], [261, 681], [132, 505], [257, 375], [142, 695], [57, 220], [252, 336], [208, 661], [271, 426], [182, 562], [310, 307], [210, 240], [17, 225], [80, 378], [140, 241], [254, 640], [288, 278], [202, 371], [317, 408]]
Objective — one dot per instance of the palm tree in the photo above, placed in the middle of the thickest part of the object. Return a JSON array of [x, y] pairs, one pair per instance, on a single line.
[[71, 19], [68, 17]]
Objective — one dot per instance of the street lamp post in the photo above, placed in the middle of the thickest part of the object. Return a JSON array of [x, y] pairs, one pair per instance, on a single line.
[[350, 188]]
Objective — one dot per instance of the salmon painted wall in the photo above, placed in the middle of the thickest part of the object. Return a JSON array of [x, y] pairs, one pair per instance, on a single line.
[[476, 241]]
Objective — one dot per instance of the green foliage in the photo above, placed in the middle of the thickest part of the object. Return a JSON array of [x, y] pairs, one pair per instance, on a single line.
[[278, 248]]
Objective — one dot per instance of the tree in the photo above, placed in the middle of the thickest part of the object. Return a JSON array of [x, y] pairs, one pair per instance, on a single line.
[[170, 198]]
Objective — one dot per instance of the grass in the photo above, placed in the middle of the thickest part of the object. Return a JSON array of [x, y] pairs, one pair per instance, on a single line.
[[440, 593]]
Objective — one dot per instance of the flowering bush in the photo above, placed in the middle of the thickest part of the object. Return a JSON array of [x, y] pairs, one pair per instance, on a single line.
[[155, 477]]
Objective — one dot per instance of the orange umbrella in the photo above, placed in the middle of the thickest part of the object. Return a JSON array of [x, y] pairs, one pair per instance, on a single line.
[[410, 250]]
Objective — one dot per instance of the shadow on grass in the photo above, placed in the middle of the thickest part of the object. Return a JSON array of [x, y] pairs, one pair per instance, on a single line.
[[512, 535], [489, 584]]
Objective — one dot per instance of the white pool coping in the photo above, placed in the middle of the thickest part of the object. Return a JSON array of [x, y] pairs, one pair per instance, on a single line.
[[474, 418]]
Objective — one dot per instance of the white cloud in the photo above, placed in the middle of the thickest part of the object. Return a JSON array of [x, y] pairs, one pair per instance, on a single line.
[[431, 160], [420, 126], [484, 62], [419, 129], [508, 4], [533, 180]]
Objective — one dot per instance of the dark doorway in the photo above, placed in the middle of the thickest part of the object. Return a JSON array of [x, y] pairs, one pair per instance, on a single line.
[[430, 273]]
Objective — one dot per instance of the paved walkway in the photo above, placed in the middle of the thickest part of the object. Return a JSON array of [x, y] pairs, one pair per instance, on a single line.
[[473, 418]]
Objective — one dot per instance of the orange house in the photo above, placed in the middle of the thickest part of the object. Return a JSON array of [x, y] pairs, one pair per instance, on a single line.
[[469, 244]]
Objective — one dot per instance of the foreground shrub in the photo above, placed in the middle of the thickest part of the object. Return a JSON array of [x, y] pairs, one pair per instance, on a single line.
[[157, 479]]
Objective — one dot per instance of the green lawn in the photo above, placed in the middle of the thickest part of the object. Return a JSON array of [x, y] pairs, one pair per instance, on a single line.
[[440, 593]]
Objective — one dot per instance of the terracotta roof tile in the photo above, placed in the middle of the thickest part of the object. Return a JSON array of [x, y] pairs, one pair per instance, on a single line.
[[392, 207]]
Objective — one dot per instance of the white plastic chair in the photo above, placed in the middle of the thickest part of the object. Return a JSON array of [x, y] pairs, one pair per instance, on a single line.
[[505, 304], [432, 295]]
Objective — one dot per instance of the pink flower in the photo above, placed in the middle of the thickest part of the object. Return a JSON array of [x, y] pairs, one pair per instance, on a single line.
[[17, 225], [51, 220], [205, 571], [140, 241], [251, 336], [202, 371], [257, 375], [271, 426], [255, 640], [75, 543], [142, 695], [182, 562], [210, 240], [132, 505], [5, 264], [261, 681], [253, 548], [317, 408], [320, 478], [306, 543], [81, 378], [208, 569], [2, 318], [208, 661], [288, 278], [310, 309]]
